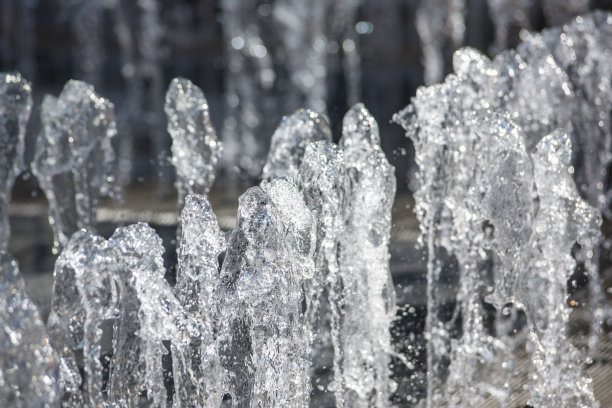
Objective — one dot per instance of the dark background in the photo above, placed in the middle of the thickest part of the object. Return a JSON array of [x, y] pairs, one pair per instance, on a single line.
[[192, 45]]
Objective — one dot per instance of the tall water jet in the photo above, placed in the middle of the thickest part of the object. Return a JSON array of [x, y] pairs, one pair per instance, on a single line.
[[85, 295], [461, 157], [114, 311], [74, 158], [289, 142], [198, 286], [65, 327], [477, 204], [368, 295], [570, 68], [160, 317], [264, 343], [15, 108], [195, 148], [323, 180], [583, 50], [563, 219], [535, 86], [28, 365]]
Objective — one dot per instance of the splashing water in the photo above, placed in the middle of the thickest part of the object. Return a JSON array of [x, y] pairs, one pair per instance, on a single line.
[[265, 345], [74, 157], [198, 288], [84, 296], [290, 140], [195, 147], [324, 183], [498, 197], [368, 295], [27, 363], [512, 155]]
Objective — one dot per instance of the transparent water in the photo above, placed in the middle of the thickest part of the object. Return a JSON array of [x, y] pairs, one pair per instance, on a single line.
[[512, 158]]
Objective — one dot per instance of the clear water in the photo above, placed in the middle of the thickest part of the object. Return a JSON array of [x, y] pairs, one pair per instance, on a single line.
[[512, 155]]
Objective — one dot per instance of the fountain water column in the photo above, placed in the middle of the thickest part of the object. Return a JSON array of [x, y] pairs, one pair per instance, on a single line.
[[583, 50], [15, 108], [368, 294], [117, 287], [264, 343], [65, 326], [84, 297], [506, 83], [562, 220], [74, 158], [160, 315], [195, 148], [290, 140], [198, 287], [324, 183], [491, 181], [570, 68], [448, 149]]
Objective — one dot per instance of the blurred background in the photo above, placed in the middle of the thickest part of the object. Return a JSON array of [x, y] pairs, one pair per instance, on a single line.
[[255, 61]]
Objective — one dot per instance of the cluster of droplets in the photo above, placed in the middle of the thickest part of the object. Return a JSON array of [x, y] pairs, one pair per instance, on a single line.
[[74, 158], [497, 194]]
